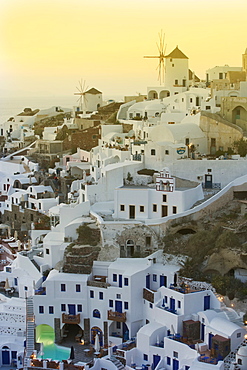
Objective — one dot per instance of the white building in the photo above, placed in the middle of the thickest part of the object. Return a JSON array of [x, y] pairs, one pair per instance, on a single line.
[[144, 202]]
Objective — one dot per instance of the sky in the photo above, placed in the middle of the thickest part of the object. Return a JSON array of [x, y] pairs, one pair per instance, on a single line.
[[47, 46]]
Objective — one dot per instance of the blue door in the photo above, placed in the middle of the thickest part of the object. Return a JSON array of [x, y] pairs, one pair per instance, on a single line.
[[118, 306], [175, 364], [71, 309], [210, 337], [163, 280], [5, 357], [172, 304], [120, 281], [156, 360], [148, 281], [202, 332], [206, 302]]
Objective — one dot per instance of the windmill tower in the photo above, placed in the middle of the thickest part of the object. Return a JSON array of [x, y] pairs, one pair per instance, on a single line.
[[162, 50], [82, 100]]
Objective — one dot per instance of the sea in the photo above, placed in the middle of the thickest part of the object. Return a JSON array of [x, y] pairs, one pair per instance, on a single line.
[[11, 106]]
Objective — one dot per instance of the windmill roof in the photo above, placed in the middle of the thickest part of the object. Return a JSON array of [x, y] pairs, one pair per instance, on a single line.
[[177, 53], [93, 91]]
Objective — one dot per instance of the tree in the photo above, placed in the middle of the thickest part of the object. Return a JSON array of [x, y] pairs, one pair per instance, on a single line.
[[241, 147]]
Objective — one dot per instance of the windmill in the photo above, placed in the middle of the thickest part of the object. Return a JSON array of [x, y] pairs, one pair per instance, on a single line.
[[82, 100], [162, 50]]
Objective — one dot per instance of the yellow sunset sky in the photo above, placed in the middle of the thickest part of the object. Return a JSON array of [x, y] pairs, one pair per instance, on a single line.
[[46, 46]]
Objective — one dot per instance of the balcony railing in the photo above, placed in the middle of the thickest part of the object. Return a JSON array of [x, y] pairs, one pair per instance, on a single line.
[[71, 319], [117, 316], [148, 295]]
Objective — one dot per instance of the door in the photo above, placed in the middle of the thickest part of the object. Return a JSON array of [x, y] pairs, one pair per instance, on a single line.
[[120, 281], [148, 281], [175, 364], [206, 302], [164, 211], [118, 306], [202, 332], [210, 337], [156, 360], [172, 304], [208, 181], [71, 309], [132, 212], [5, 357], [163, 280]]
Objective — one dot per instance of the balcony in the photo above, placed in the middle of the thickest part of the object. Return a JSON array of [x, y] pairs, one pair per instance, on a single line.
[[148, 295], [117, 316], [71, 319], [40, 291]]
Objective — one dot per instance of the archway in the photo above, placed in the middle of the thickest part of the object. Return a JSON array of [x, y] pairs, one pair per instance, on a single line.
[[5, 355], [130, 246], [72, 333], [239, 112], [96, 330], [152, 94], [164, 94]]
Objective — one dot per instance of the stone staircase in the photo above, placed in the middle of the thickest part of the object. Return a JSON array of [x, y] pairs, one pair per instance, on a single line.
[[116, 362], [30, 326]]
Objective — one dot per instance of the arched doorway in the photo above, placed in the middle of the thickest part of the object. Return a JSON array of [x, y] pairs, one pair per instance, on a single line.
[[5, 355], [152, 94], [130, 248], [164, 94], [239, 113], [96, 330], [72, 333]]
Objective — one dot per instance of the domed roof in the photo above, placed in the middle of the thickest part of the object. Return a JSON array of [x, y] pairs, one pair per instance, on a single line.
[[242, 351]]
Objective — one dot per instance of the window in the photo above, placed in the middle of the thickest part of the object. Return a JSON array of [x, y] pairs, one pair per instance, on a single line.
[[175, 354], [238, 335], [220, 76], [145, 357], [100, 295], [176, 82], [63, 288], [152, 151], [114, 278], [154, 277], [126, 305], [15, 281], [164, 198], [122, 207], [168, 360], [165, 298], [79, 308], [118, 296], [208, 107], [167, 152], [239, 361], [126, 281], [179, 304], [77, 288], [41, 309], [51, 309], [47, 251], [63, 307], [91, 294], [25, 288], [96, 313], [174, 209], [150, 305], [118, 325], [8, 269], [154, 207], [141, 208], [191, 100], [110, 303]]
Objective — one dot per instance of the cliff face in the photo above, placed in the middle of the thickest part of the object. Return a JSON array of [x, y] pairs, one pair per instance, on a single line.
[[215, 245], [79, 257]]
